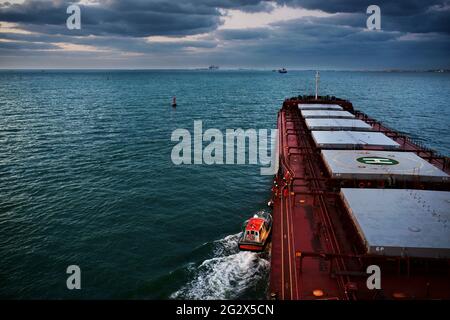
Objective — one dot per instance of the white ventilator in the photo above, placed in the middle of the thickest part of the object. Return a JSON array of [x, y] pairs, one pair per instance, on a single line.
[[317, 83]]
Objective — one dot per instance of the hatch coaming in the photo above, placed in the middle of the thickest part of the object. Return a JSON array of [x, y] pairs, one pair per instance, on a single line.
[[380, 165], [352, 140], [401, 222], [336, 124], [327, 114], [319, 106]]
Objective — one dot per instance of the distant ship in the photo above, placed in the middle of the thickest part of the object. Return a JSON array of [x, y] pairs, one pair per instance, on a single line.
[[282, 70], [213, 67]]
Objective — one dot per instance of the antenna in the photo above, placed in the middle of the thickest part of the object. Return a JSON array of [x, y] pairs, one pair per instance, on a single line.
[[317, 83]]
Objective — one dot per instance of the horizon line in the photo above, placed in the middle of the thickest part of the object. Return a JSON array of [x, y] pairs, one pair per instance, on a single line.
[[226, 69]]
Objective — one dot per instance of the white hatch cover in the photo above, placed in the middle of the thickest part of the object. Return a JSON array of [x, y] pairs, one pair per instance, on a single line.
[[352, 140], [379, 165], [326, 114], [337, 124], [401, 222], [318, 106]]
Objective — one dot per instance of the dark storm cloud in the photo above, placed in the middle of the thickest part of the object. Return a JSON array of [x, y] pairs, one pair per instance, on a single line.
[[318, 43], [131, 18], [245, 34], [17, 45], [138, 18], [389, 7], [117, 29], [402, 15], [192, 6], [432, 20]]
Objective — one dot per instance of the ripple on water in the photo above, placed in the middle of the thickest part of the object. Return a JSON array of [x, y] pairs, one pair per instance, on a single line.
[[228, 275]]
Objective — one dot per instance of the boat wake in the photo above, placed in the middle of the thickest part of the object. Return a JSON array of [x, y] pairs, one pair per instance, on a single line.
[[230, 274]]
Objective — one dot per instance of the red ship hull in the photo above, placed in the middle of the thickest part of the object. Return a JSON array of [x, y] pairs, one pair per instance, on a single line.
[[316, 252], [250, 247]]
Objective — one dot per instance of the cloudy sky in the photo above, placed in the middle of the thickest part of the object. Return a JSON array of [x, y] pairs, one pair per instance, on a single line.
[[322, 34]]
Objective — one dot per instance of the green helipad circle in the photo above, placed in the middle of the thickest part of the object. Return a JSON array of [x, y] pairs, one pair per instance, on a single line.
[[378, 161]]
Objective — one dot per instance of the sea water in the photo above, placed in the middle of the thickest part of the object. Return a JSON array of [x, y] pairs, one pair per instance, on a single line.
[[86, 176]]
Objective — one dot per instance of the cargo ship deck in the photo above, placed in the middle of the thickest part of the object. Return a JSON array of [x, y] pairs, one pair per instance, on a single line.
[[350, 193]]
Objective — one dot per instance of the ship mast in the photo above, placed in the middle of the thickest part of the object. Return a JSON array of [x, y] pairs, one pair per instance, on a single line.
[[317, 83]]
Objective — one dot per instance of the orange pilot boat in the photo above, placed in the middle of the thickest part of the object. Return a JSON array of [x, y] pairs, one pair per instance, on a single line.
[[256, 233]]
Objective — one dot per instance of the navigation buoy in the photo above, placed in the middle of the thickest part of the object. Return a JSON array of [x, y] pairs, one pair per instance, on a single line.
[[174, 102]]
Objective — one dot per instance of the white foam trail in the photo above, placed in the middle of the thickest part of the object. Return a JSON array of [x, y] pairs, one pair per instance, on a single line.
[[227, 275]]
